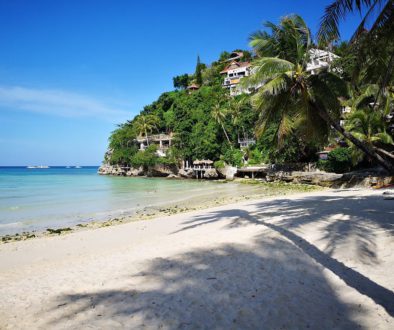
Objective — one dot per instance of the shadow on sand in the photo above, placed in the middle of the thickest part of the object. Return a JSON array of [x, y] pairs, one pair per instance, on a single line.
[[271, 284]]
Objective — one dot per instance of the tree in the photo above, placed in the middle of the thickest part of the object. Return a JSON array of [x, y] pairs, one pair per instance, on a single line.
[[198, 72], [145, 124], [181, 81], [379, 12], [235, 110], [219, 115], [298, 98], [366, 120]]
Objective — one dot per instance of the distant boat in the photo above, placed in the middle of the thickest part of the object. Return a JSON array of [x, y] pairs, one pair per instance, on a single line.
[[38, 166], [78, 166]]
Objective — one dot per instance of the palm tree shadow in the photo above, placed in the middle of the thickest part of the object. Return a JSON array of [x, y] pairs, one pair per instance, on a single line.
[[269, 285], [343, 219]]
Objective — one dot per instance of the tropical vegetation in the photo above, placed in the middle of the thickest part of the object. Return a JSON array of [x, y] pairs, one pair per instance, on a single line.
[[293, 113]]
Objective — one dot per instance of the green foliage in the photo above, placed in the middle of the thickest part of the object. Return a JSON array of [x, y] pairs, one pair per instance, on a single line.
[[291, 114], [146, 158], [181, 81], [219, 164], [255, 156], [198, 72], [233, 157], [339, 161]]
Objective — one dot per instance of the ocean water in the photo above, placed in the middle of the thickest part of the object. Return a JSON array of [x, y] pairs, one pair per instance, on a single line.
[[36, 199]]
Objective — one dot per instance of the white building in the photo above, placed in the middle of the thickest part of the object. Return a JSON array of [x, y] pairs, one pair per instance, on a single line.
[[319, 59], [163, 142], [234, 72]]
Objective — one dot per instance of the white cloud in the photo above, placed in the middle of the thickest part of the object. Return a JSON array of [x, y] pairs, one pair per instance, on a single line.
[[60, 103]]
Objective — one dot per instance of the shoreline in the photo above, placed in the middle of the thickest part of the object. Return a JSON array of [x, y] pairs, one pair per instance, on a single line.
[[149, 213], [305, 260]]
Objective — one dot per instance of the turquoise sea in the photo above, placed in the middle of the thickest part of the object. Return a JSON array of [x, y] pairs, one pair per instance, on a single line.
[[36, 199]]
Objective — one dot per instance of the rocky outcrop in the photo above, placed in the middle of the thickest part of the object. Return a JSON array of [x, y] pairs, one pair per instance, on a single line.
[[162, 170], [117, 170], [211, 174], [332, 180], [227, 172], [135, 172], [317, 178], [112, 170], [187, 174]]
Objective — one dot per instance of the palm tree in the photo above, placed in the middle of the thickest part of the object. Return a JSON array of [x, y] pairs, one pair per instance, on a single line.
[[366, 120], [235, 109], [376, 27], [292, 94], [145, 124], [367, 126], [219, 115], [379, 12]]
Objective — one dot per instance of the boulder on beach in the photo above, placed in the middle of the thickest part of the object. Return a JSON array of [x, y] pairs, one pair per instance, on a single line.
[[211, 174], [188, 174]]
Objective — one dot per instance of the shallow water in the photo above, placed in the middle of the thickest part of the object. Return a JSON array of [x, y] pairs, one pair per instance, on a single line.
[[36, 199]]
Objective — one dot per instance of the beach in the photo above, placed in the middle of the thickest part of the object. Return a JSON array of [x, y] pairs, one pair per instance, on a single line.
[[311, 260]]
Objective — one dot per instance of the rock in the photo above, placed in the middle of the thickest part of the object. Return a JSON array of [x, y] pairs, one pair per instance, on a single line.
[[188, 174], [318, 178], [227, 172], [135, 172], [162, 170], [173, 176], [211, 174]]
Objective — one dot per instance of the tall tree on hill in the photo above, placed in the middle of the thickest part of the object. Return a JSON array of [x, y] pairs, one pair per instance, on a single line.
[[299, 99]]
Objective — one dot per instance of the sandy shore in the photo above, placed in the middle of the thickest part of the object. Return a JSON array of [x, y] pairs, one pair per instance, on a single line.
[[320, 260]]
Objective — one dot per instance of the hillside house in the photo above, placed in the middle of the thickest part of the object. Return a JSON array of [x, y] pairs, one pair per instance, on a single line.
[[163, 142]]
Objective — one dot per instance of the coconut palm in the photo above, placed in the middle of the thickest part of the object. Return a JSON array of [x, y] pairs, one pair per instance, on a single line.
[[366, 120], [379, 15], [291, 94], [219, 115], [145, 124], [235, 107], [367, 126]]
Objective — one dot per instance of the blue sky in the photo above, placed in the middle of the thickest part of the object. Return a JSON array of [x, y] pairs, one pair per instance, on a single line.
[[70, 70]]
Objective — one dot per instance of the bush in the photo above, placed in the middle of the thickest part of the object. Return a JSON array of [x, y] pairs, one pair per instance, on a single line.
[[146, 158], [219, 164], [233, 157], [256, 157], [339, 161]]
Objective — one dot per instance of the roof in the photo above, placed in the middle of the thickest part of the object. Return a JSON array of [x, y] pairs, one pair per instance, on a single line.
[[235, 65], [193, 86], [234, 56], [203, 161]]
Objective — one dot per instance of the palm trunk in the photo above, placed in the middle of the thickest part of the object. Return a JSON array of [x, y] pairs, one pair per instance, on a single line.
[[384, 152], [225, 133], [389, 166], [147, 140]]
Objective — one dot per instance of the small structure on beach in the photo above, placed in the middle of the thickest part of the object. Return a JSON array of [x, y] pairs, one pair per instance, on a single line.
[[199, 167]]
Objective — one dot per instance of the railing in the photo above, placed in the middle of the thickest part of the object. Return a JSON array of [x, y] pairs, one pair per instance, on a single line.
[[155, 137]]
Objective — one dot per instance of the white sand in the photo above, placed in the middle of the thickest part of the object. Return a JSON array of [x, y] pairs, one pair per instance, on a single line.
[[320, 261]]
